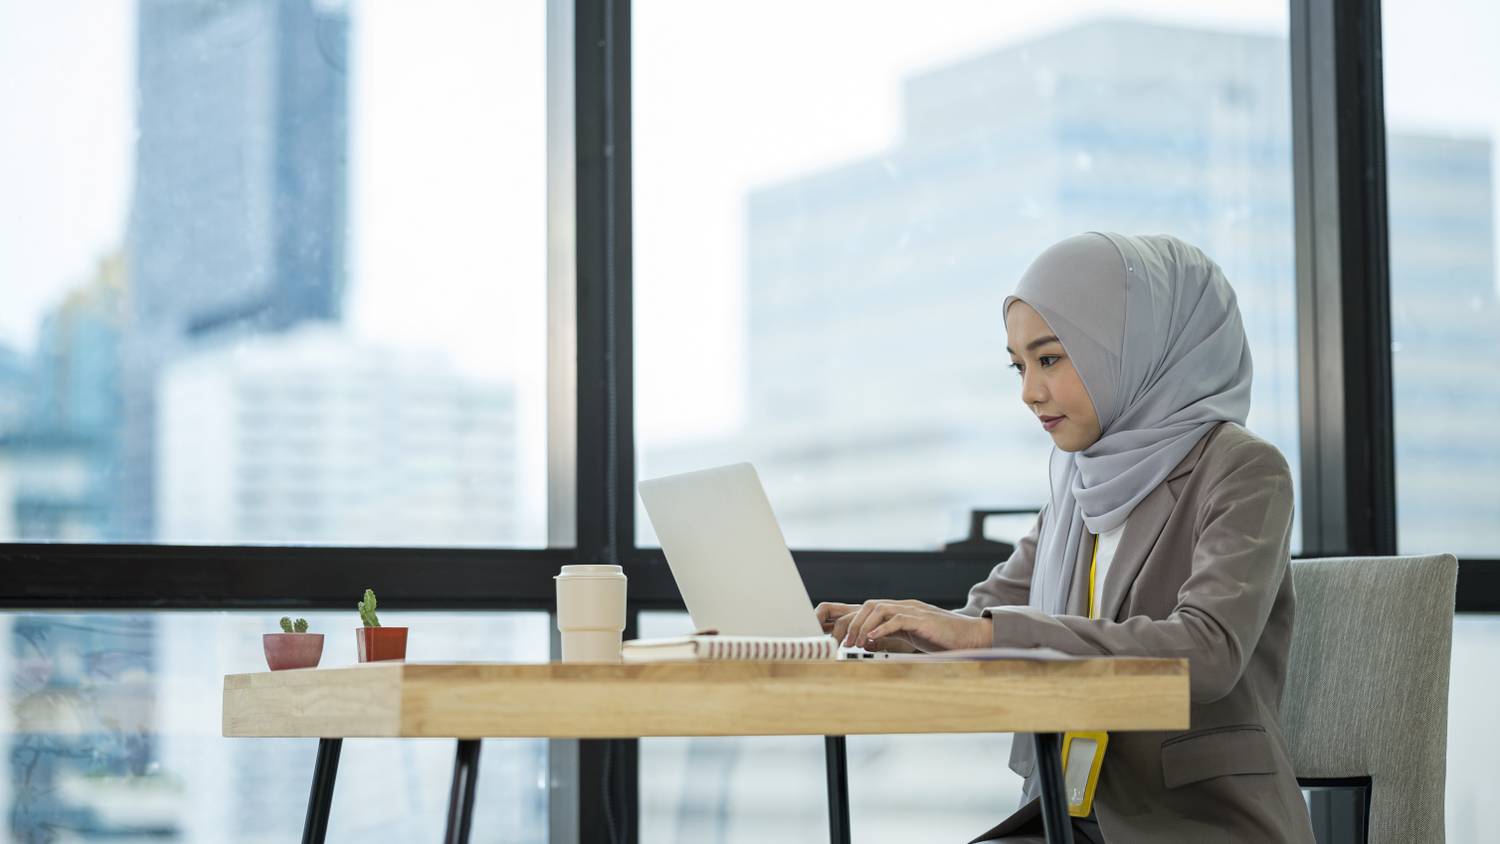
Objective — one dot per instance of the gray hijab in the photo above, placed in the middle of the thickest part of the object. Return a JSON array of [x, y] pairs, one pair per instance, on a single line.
[[1153, 329]]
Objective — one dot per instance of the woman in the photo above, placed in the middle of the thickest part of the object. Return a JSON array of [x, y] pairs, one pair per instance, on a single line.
[[1132, 355]]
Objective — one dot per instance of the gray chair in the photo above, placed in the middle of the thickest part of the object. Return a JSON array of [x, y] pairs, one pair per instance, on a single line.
[[1367, 685]]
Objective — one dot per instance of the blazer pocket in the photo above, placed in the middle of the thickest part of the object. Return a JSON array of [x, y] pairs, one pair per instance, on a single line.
[[1216, 752]]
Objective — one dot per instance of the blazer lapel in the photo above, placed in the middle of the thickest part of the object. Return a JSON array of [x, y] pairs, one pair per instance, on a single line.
[[1142, 528]]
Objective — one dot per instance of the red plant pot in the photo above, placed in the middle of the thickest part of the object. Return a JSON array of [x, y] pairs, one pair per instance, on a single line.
[[292, 650], [381, 643]]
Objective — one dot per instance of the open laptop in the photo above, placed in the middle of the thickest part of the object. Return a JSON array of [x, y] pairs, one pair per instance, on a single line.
[[731, 562], [727, 553]]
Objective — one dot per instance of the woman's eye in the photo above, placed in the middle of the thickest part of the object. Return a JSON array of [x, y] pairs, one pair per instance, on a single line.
[[1048, 360], [1019, 368]]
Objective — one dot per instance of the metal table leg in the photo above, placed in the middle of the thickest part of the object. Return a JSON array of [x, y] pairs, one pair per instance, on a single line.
[[320, 799], [838, 789], [461, 797], [1055, 820]]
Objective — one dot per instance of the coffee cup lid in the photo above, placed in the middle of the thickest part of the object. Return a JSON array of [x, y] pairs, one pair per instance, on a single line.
[[589, 571]]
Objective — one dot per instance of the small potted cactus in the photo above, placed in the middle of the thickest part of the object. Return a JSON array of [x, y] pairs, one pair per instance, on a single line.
[[293, 647], [378, 643]]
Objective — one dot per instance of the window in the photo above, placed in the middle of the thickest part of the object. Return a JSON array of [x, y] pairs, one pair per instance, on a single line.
[[1443, 122], [112, 730], [1472, 743], [822, 246], [276, 273]]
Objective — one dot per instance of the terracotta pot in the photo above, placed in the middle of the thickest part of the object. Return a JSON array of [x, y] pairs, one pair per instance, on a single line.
[[381, 643], [292, 650]]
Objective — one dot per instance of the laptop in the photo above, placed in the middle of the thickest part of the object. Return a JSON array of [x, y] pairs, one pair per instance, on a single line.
[[727, 553]]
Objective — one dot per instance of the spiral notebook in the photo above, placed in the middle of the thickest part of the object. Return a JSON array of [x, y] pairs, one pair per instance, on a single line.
[[713, 647]]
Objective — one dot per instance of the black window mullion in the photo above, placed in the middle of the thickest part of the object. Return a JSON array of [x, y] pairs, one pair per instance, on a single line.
[[1343, 279], [36, 576], [607, 807]]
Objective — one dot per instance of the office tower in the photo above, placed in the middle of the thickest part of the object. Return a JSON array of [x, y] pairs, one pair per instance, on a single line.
[[1445, 337], [311, 437], [59, 452], [15, 376], [876, 347], [238, 220]]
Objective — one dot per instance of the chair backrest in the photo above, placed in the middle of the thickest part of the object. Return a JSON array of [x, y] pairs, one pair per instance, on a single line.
[[1367, 684]]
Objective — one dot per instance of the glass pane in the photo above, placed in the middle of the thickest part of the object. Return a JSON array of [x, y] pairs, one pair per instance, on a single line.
[[112, 725], [1442, 120], [772, 788], [274, 272], [1473, 744], [822, 246]]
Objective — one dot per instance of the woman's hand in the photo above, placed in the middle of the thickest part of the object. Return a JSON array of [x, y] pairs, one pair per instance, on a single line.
[[883, 625]]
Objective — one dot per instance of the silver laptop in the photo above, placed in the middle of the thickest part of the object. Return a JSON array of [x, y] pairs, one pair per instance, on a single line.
[[727, 553]]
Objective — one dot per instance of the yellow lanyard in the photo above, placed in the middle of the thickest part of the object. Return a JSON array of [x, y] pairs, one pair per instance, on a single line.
[[1081, 779], [1093, 569]]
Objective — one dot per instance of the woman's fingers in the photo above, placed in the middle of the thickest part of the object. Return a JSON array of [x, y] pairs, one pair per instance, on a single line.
[[898, 644], [870, 615], [901, 622], [835, 617], [828, 611], [841, 626], [855, 627]]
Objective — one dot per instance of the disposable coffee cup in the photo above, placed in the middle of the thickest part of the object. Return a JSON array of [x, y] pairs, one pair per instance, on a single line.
[[590, 612]]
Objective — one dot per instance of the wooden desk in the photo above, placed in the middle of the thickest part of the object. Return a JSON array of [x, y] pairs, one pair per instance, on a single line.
[[471, 701]]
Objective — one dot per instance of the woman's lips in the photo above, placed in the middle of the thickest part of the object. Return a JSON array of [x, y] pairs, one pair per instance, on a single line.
[[1050, 422]]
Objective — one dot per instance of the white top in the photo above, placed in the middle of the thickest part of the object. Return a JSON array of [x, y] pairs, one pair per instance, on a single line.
[[1108, 542]]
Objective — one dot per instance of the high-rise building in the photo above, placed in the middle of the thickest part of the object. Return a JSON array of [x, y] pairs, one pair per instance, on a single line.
[[59, 454], [309, 437], [1445, 337], [876, 348], [238, 219]]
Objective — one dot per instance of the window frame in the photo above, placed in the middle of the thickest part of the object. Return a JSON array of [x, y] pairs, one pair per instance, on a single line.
[[1347, 444]]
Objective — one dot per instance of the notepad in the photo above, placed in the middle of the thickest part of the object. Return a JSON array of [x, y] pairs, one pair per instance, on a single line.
[[689, 648]]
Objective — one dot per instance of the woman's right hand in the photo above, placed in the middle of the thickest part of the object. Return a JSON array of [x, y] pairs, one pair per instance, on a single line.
[[836, 617]]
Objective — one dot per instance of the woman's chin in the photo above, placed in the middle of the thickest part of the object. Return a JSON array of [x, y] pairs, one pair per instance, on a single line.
[[1065, 442]]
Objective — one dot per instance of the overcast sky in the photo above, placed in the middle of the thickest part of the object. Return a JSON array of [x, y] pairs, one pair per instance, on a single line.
[[447, 151]]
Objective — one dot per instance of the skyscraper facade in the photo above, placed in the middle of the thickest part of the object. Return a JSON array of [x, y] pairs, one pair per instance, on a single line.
[[238, 218]]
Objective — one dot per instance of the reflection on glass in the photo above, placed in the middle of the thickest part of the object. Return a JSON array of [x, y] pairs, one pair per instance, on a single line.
[[112, 727], [296, 294], [835, 315], [1443, 120]]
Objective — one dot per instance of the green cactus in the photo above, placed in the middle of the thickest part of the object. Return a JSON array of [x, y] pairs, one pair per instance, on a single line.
[[301, 626], [286, 624], [367, 609]]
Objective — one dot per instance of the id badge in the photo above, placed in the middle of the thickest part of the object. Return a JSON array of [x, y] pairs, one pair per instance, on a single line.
[[1082, 756]]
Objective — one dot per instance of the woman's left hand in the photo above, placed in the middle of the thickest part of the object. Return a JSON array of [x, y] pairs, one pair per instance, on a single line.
[[927, 627]]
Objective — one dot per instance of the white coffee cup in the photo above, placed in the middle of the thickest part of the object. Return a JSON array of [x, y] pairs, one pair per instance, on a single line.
[[591, 612]]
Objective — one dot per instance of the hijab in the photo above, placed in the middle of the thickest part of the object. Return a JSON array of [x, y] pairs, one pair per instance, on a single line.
[[1154, 332]]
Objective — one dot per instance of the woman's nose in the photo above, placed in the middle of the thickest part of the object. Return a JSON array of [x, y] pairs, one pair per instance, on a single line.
[[1032, 391]]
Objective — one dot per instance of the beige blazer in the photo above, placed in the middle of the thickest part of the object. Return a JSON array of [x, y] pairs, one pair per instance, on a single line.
[[1201, 572]]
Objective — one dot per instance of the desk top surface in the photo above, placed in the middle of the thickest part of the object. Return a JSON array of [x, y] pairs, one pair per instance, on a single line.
[[576, 700]]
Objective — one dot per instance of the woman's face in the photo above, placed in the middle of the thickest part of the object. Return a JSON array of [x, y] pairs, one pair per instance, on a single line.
[[1050, 386]]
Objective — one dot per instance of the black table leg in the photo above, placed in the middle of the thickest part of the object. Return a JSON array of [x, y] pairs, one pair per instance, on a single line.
[[461, 797], [1055, 820], [320, 800], [838, 789]]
